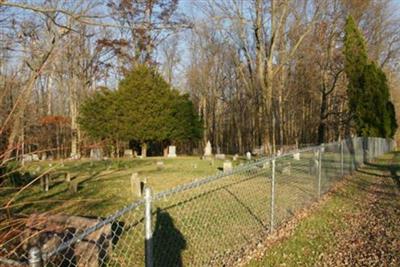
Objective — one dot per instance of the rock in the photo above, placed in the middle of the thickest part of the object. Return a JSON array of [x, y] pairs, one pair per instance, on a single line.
[[47, 232]]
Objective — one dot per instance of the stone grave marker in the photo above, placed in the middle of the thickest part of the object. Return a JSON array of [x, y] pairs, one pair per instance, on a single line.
[[68, 177], [160, 165], [227, 166], [287, 169], [235, 157], [73, 186], [266, 165], [208, 150], [96, 153], [136, 185], [171, 152], [128, 153], [35, 157], [27, 158], [248, 155], [296, 156], [220, 156]]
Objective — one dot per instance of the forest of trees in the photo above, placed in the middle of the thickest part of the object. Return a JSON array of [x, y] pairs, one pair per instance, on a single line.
[[255, 73]]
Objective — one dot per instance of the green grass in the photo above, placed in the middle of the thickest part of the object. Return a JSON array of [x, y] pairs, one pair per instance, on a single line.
[[316, 235], [105, 185], [210, 223]]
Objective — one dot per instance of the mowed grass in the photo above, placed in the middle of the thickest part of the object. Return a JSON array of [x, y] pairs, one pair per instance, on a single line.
[[207, 224], [105, 185]]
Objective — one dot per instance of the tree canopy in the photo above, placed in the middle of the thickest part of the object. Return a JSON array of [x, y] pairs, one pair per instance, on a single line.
[[368, 90], [144, 108]]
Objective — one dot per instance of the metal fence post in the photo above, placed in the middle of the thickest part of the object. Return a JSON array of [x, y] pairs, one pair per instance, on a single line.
[[35, 257], [341, 158], [148, 231], [273, 196], [320, 169]]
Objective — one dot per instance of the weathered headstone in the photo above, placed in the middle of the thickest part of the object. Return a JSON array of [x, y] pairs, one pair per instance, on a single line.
[[227, 166], [208, 150], [45, 180], [266, 165], [68, 177], [27, 158], [248, 155], [235, 157], [73, 186], [75, 156], [43, 157], [279, 152], [128, 153], [136, 187], [160, 165], [220, 156], [96, 153], [296, 156], [35, 157], [172, 152]]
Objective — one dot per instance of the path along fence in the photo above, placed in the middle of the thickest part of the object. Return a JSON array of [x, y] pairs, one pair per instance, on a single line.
[[212, 221]]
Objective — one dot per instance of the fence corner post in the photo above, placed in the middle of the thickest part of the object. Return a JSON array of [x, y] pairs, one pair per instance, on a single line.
[[272, 196], [35, 257], [149, 260]]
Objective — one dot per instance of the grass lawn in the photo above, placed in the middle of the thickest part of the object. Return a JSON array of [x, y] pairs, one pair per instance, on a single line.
[[203, 225], [105, 185], [356, 226]]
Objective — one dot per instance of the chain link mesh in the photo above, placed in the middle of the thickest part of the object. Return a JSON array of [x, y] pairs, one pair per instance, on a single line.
[[212, 221]]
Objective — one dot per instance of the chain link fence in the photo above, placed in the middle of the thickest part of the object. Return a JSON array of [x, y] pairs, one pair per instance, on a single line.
[[211, 221]]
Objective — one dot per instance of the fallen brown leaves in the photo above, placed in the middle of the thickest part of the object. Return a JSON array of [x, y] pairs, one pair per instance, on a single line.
[[373, 235]]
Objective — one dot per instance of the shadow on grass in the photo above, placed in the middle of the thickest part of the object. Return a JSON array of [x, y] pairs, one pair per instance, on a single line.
[[169, 242]]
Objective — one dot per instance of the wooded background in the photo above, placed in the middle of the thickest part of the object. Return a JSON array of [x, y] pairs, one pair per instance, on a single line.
[[261, 73]]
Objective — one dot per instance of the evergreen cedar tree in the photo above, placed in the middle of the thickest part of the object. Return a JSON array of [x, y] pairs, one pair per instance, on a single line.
[[145, 108], [368, 92]]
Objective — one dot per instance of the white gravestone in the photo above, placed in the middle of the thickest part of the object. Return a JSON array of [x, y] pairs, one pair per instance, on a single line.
[[235, 157], [296, 156], [128, 153], [172, 152], [208, 150], [248, 155], [227, 166]]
